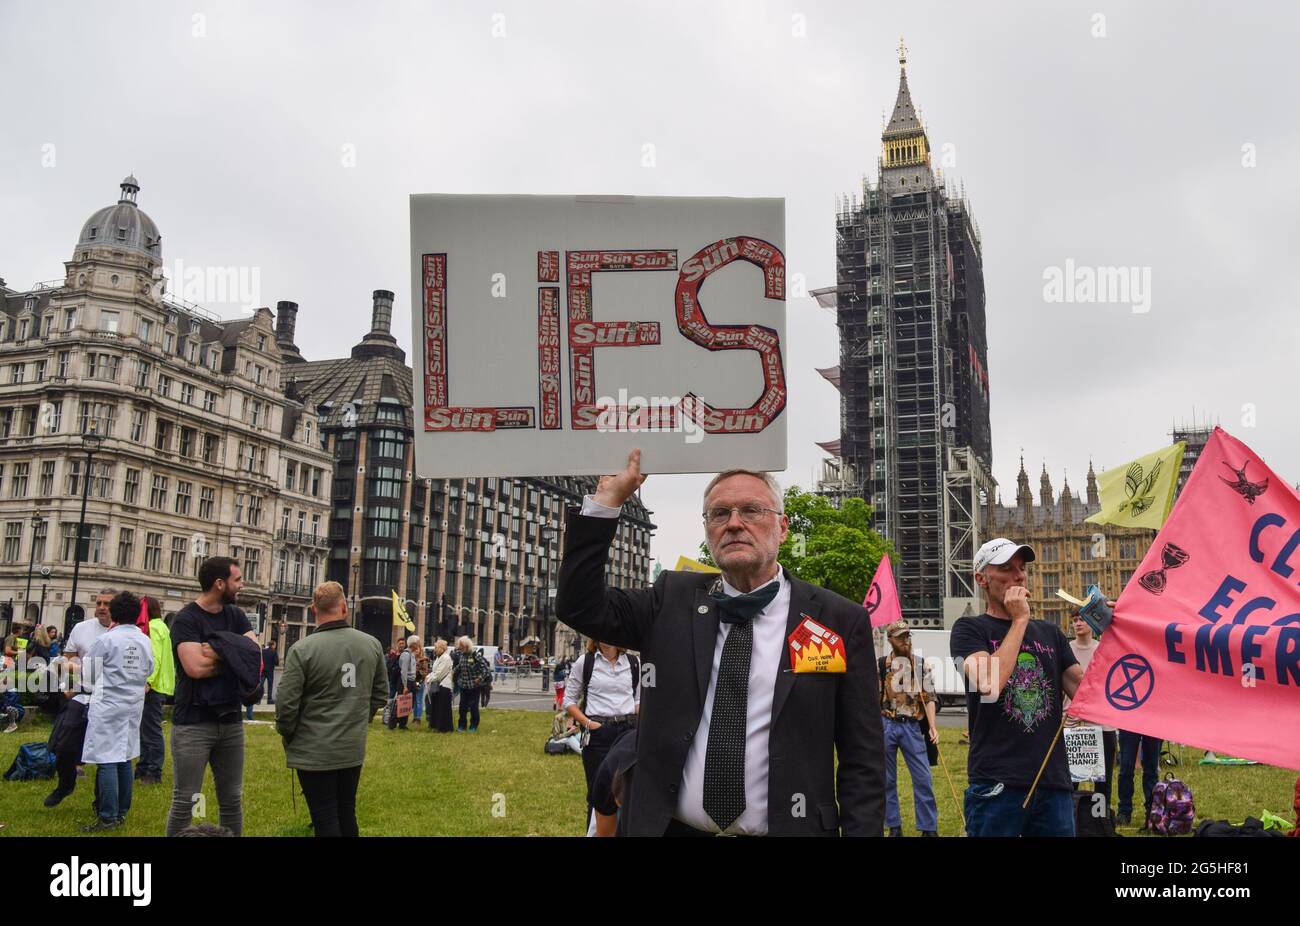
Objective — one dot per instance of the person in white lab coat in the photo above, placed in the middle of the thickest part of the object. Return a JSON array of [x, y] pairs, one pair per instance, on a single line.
[[115, 671]]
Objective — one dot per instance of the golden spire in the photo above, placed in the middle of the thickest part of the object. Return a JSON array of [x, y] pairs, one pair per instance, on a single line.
[[902, 53]]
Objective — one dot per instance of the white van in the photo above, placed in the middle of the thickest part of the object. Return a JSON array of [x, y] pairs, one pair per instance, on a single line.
[[932, 646]]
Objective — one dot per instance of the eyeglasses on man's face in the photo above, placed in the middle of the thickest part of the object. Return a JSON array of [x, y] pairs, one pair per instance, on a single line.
[[750, 514]]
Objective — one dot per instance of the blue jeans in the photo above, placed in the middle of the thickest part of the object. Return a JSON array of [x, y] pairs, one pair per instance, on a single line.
[[906, 735], [417, 702], [1050, 813], [1130, 744], [113, 789]]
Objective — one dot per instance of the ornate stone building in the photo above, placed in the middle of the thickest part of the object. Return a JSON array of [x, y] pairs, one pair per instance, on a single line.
[[1072, 555], [201, 451]]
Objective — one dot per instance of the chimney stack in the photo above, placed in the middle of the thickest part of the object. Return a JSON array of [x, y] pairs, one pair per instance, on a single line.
[[286, 323], [381, 317], [379, 342]]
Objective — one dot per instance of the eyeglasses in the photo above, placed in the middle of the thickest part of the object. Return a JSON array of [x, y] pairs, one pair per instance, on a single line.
[[750, 514]]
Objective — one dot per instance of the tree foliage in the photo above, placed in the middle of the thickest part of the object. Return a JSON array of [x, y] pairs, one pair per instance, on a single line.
[[828, 546]]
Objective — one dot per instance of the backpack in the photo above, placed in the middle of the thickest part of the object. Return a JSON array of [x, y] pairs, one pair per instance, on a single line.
[[395, 670], [1086, 821], [34, 760], [1172, 807], [589, 664], [482, 671], [1251, 827]]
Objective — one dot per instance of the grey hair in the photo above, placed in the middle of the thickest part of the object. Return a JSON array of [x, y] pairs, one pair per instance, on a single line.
[[106, 591], [413, 638], [778, 500], [464, 643]]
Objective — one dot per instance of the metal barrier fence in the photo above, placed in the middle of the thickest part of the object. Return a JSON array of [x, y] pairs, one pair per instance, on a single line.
[[522, 679]]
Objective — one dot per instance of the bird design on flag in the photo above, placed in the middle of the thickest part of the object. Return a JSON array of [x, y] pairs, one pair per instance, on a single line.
[[1243, 486], [1139, 489]]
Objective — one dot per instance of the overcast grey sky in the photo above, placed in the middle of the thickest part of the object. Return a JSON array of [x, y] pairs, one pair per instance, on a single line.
[[1122, 149]]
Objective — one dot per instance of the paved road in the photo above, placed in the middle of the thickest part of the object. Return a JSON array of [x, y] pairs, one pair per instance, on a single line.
[[536, 701]]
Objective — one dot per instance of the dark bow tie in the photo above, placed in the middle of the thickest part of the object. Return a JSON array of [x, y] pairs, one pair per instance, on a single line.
[[740, 609]]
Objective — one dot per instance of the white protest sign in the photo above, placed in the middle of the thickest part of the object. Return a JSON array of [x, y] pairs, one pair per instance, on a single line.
[[554, 333], [1084, 751]]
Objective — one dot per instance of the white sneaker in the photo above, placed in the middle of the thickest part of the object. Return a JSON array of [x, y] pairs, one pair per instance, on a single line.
[[13, 725]]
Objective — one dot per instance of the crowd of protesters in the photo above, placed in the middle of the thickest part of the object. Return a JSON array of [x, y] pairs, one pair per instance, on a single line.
[[110, 680], [117, 670]]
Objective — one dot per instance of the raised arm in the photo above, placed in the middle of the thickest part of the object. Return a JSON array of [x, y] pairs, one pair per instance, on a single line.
[[989, 673], [622, 617]]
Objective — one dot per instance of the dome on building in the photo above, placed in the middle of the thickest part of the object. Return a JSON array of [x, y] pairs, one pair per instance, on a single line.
[[123, 225]]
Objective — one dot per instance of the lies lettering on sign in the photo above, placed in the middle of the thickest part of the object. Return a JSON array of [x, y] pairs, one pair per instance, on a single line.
[[605, 337]]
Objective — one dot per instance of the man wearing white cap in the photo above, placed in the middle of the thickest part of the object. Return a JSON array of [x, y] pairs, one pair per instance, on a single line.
[[1017, 670]]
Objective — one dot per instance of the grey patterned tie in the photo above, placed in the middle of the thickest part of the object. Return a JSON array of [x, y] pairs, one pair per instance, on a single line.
[[724, 759]]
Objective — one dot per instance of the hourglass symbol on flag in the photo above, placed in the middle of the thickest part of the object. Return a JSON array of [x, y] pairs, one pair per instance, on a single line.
[[1171, 557]]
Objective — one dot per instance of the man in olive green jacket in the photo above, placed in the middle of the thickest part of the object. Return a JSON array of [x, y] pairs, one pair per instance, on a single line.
[[332, 684]]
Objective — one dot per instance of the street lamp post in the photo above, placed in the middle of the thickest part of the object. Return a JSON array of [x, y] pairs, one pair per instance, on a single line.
[[356, 602], [40, 611], [91, 441], [548, 535], [31, 564]]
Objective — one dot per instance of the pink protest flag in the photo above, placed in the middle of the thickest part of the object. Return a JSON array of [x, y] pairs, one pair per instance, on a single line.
[[882, 597], [1204, 648], [142, 619]]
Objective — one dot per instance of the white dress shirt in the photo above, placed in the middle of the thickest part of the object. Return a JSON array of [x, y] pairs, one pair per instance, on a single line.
[[611, 686], [79, 641], [764, 663]]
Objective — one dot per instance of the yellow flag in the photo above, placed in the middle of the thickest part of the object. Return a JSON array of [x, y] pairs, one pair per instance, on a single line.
[[1140, 493], [400, 618], [685, 564]]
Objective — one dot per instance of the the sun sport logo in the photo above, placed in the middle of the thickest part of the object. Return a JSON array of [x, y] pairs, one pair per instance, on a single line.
[[76, 878]]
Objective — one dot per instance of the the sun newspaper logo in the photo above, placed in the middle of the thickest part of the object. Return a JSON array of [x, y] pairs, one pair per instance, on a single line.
[[76, 878]]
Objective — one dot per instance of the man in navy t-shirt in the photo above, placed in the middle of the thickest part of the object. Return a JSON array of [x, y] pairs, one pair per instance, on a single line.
[[1016, 672]]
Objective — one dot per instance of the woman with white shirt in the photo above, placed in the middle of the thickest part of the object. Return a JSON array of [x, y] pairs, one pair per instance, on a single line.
[[439, 687], [603, 695]]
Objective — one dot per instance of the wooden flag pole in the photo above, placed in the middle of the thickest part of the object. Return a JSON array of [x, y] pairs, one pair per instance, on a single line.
[[960, 811], [1030, 795]]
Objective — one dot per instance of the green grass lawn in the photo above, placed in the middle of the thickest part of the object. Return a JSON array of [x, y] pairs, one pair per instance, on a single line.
[[498, 782]]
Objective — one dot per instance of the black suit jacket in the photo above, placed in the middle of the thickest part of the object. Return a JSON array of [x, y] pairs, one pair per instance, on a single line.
[[814, 716]]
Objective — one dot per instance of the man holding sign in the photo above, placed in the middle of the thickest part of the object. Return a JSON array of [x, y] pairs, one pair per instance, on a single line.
[[1017, 670], [754, 683]]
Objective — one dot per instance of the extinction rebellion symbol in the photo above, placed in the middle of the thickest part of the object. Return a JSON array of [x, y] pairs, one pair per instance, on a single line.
[[873, 599], [1129, 682]]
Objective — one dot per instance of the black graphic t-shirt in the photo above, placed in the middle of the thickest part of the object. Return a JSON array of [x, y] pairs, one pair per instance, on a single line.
[[1010, 736]]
